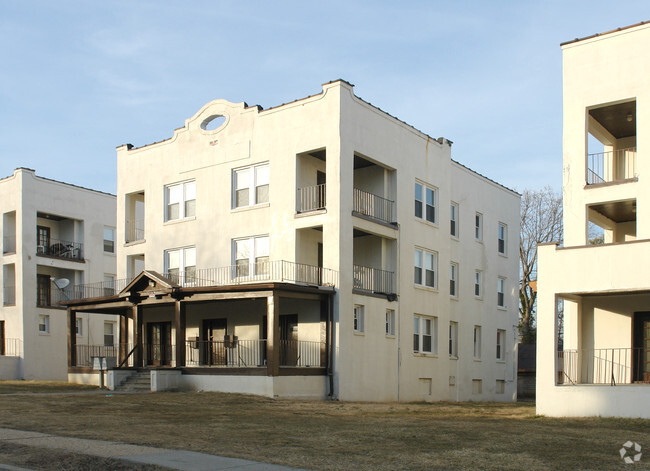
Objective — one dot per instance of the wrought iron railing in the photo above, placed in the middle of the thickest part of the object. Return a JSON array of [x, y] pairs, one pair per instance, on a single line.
[[609, 366], [134, 230], [61, 249], [8, 295], [303, 353], [604, 167], [233, 353], [9, 244], [84, 354], [373, 206], [311, 198], [374, 280], [11, 348]]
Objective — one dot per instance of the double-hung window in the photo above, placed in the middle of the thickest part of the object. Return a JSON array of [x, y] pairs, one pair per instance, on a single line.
[[78, 326], [390, 322], [478, 281], [109, 240], [425, 334], [453, 279], [453, 339], [478, 227], [180, 265], [453, 218], [180, 200], [251, 185], [426, 202], [358, 321], [477, 342], [501, 283], [426, 267], [251, 256], [501, 344], [109, 334], [44, 324], [502, 238]]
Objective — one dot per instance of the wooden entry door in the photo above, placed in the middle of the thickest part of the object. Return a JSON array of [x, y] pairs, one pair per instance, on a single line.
[[159, 346], [641, 346], [289, 340], [214, 351]]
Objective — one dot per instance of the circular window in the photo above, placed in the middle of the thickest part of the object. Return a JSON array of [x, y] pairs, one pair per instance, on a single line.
[[213, 122]]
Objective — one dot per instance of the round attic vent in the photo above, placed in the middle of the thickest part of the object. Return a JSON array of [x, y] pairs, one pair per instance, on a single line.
[[213, 122]]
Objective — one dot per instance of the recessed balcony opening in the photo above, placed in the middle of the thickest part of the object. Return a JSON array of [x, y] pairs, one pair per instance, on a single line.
[[54, 285], [134, 265], [374, 263], [9, 232], [611, 143], [309, 254], [134, 224], [611, 222], [374, 191], [310, 181], [59, 236]]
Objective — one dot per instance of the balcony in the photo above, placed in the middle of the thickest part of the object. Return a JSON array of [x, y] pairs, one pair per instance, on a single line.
[[604, 366], [613, 166], [134, 230], [311, 198], [11, 347], [373, 206], [9, 244], [8, 295], [374, 280], [64, 249]]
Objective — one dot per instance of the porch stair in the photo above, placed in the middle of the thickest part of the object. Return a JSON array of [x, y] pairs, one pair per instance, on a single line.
[[140, 381]]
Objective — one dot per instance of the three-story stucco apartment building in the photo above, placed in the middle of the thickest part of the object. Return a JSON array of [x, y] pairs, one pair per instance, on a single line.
[[318, 248], [600, 274], [54, 236]]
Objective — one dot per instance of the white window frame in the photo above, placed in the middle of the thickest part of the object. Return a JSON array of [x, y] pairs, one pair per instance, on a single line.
[[501, 292], [390, 322], [426, 262], [453, 339], [78, 326], [454, 212], [453, 279], [502, 239], [186, 270], [186, 210], [358, 319], [501, 345], [255, 180], [110, 231], [478, 284], [477, 342], [112, 334], [422, 193], [259, 250], [478, 227], [425, 327], [44, 324]]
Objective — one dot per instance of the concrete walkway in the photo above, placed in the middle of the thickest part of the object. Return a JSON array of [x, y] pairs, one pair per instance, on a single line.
[[174, 459]]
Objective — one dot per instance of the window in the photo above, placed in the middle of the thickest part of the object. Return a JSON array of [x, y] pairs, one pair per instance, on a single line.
[[425, 334], [478, 227], [358, 318], [502, 238], [453, 217], [453, 339], [180, 199], [428, 197], [43, 239], [109, 334], [501, 292], [390, 322], [427, 261], [181, 265], [43, 324], [43, 293], [453, 279], [251, 185], [478, 281], [109, 240], [78, 326], [501, 344], [477, 342], [251, 256]]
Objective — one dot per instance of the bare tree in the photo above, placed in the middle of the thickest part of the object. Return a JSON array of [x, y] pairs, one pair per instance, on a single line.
[[541, 221]]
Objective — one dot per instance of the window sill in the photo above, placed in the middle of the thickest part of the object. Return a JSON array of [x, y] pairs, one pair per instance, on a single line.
[[453, 297], [502, 255], [428, 223], [178, 221], [249, 208], [391, 336], [501, 361], [134, 242], [453, 237], [110, 254], [478, 298], [426, 288], [425, 355], [453, 357], [502, 308], [360, 334], [478, 360], [45, 334], [315, 212]]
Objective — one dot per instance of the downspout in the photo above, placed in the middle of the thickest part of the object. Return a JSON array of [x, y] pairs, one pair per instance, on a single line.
[[399, 316]]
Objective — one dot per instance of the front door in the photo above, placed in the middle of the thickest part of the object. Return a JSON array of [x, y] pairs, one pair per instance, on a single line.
[[214, 351], [43, 293], [641, 346], [289, 340], [43, 239], [159, 347], [320, 180]]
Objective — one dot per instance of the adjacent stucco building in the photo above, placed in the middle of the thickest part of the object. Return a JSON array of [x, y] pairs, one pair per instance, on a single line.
[[321, 247], [55, 236], [600, 274]]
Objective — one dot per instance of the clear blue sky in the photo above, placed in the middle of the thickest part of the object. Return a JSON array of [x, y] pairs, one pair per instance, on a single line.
[[78, 78]]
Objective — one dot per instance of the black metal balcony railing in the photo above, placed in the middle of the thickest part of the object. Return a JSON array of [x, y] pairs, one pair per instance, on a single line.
[[301, 353], [373, 206], [62, 249], [311, 198], [9, 295], [374, 280], [9, 244], [85, 353], [610, 366], [234, 353], [604, 167], [11, 348], [134, 230]]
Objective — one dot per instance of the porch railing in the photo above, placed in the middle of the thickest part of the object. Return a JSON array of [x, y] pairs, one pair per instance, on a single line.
[[611, 366], [134, 230], [311, 198], [8, 295], [603, 167], [373, 206], [11, 348], [374, 280], [61, 249], [9, 244], [300, 353], [234, 353], [84, 354]]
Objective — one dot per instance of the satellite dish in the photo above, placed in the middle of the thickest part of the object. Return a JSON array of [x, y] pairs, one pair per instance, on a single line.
[[61, 283]]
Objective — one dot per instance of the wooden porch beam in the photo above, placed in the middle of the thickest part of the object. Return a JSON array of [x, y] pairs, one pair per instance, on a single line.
[[124, 337], [72, 338], [273, 335], [137, 336], [179, 328]]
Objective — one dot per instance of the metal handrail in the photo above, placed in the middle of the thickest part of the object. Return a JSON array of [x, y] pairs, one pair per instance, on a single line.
[[11, 348], [61, 249], [311, 198], [607, 366], [373, 206], [373, 279], [611, 166], [134, 230]]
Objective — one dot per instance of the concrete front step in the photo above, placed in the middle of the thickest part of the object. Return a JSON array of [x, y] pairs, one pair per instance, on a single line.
[[137, 382]]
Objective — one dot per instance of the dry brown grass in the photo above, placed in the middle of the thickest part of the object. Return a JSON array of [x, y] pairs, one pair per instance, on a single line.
[[42, 387], [336, 435]]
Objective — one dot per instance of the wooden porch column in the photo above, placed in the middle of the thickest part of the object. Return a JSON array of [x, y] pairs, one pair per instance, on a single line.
[[124, 337], [72, 338], [179, 327], [273, 335], [136, 312]]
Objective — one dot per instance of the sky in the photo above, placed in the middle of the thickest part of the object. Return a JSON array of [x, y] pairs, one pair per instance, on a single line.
[[79, 78]]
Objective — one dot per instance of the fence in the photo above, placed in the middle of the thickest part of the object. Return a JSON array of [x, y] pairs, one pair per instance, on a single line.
[[374, 280], [232, 353], [373, 206]]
